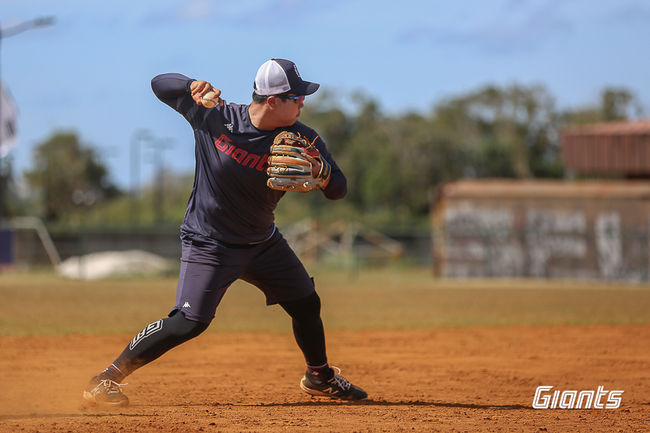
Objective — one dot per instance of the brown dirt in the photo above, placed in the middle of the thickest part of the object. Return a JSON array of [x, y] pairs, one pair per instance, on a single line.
[[464, 379]]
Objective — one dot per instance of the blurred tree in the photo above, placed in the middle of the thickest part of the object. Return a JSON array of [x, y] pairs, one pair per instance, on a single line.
[[614, 104], [68, 175], [169, 212], [504, 131], [324, 115], [15, 200], [618, 104], [5, 187], [423, 157]]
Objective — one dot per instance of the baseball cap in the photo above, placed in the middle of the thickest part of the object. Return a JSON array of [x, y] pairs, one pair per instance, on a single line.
[[277, 76]]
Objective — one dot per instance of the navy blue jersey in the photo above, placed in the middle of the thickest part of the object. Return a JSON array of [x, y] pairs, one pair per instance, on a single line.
[[230, 201]]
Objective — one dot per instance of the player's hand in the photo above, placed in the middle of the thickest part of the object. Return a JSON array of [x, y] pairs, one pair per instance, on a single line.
[[315, 165], [200, 88]]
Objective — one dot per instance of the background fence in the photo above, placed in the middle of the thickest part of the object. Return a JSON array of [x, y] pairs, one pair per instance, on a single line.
[[340, 242]]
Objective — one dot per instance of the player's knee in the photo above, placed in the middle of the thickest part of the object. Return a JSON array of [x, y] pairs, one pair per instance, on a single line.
[[184, 327], [304, 308]]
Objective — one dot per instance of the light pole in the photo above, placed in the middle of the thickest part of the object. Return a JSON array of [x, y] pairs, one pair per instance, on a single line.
[[139, 136], [158, 147]]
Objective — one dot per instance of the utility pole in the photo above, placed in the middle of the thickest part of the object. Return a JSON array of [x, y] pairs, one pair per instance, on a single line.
[[139, 136], [159, 148]]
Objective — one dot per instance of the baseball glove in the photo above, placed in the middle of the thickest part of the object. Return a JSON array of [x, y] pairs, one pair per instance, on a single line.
[[290, 170]]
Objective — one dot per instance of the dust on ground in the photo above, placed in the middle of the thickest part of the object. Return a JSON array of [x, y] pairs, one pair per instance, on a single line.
[[462, 379]]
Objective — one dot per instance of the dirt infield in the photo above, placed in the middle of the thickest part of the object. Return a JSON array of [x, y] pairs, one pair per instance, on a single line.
[[448, 379]]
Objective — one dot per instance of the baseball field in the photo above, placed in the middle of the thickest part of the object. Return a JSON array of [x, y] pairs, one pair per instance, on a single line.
[[433, 355]]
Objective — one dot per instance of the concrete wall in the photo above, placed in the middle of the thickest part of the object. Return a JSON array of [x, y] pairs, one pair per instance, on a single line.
[[503, 228]]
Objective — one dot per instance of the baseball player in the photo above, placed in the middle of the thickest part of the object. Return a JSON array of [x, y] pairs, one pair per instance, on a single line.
[[228, 232]]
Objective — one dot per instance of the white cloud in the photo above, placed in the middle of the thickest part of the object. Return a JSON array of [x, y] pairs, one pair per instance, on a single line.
[[197, 10]]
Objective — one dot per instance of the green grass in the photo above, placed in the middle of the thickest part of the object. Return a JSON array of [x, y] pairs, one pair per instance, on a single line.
[[388, 298]]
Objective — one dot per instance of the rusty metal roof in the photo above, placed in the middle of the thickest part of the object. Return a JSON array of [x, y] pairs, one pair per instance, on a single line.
[[613, 147], [610, 128], [513, 188]]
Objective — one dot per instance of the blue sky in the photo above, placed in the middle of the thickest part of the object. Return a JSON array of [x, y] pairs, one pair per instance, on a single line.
[[90, 72]]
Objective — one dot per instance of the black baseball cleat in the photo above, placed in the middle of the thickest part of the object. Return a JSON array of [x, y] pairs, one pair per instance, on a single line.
[[105, 392], [336, 387]]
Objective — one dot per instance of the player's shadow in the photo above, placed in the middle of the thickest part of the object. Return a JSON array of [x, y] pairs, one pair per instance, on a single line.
[[309, 403], [317, 402], [107, 413]]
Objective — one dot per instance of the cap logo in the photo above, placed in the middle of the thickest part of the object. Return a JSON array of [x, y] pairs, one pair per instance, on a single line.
[[295, 68]]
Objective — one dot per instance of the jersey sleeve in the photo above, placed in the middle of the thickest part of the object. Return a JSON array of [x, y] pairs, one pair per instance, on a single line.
[[174, 90], [337, 187]]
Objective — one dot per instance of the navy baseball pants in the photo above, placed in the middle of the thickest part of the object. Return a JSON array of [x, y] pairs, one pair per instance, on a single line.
[[208, 268]]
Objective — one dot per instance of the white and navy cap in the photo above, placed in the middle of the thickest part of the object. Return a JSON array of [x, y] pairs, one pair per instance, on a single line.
[[278, 76]]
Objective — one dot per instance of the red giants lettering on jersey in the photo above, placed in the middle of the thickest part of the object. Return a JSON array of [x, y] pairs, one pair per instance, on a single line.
[[224, 144]]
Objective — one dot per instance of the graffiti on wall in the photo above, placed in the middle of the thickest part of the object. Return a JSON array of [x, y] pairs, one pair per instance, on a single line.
[[536, 242], [554, 234], [608, 244]]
